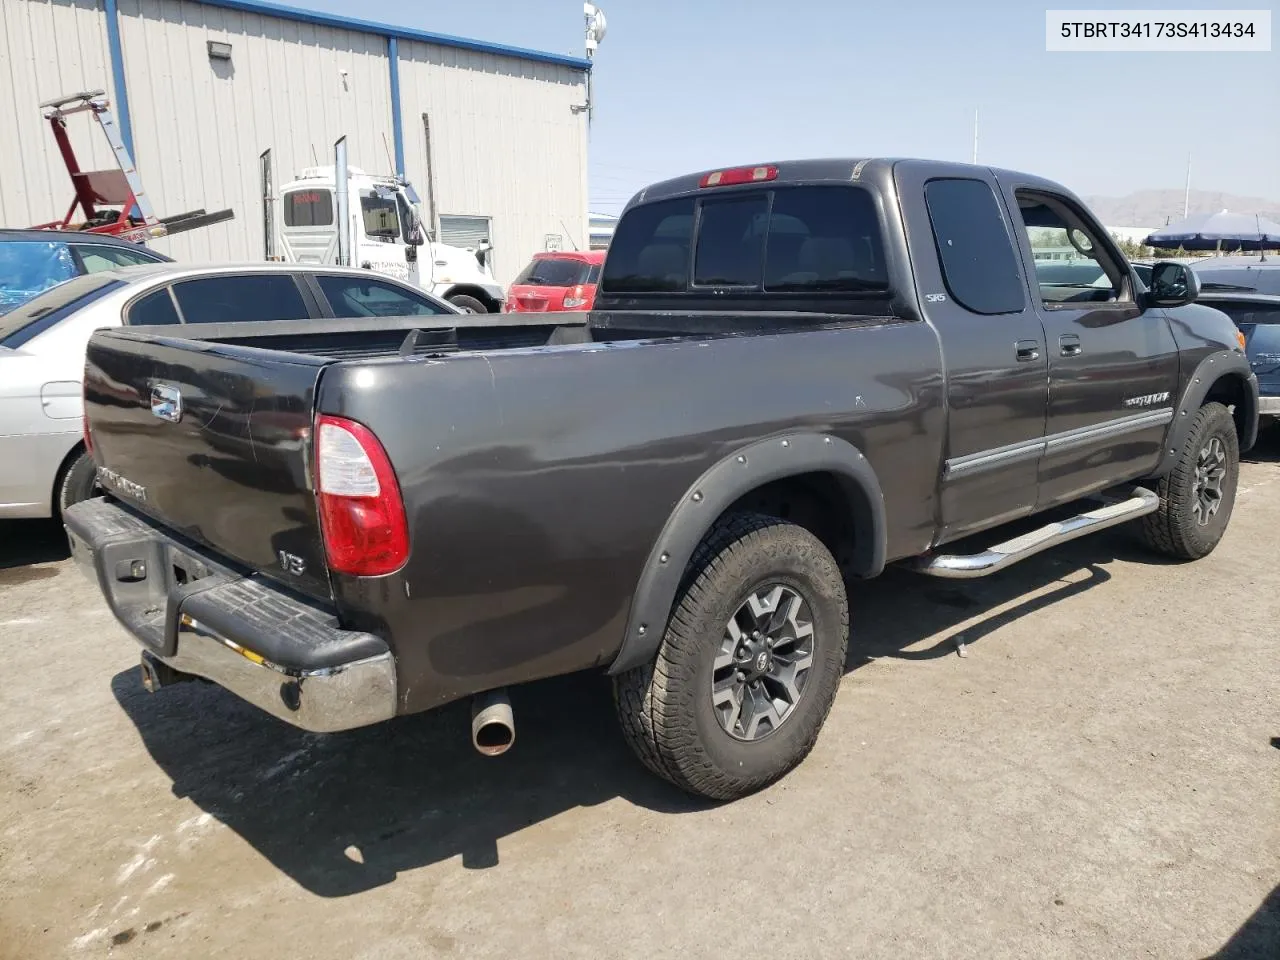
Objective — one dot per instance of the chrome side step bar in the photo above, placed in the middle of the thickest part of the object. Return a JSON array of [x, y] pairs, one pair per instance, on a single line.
[[963, 567]]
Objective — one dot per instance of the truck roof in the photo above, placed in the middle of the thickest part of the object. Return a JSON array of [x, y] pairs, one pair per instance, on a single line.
[[178, 270], [847, 169]]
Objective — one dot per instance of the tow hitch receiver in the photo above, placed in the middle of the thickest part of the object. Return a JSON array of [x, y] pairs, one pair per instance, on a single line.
[[156, 674]]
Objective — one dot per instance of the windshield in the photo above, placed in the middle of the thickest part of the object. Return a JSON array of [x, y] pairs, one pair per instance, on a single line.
[[380, 217], [29, 267], [39, 314], [554, 272]]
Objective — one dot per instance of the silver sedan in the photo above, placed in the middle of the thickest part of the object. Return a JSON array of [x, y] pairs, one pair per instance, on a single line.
[[43, 465]]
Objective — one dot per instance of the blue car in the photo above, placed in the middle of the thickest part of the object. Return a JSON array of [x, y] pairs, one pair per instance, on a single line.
[[1257, 315], [32, 261]]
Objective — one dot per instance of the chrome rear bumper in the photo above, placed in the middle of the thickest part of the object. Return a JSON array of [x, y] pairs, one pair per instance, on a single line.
[[323, 700], [190, 611]]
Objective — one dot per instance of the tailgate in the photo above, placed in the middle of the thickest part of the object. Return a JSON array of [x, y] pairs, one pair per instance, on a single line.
[[212, 441]]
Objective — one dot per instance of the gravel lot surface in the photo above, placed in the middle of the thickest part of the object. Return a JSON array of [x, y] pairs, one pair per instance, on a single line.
[[1098, 778]]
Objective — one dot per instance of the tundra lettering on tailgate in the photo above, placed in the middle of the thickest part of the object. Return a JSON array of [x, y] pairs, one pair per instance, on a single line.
[[122, 484]]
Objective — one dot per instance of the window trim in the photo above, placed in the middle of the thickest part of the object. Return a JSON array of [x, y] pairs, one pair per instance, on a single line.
[[1127, 295]]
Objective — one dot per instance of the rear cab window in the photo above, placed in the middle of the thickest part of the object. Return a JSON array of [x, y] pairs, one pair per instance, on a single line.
[[786, 240], [554, 272]]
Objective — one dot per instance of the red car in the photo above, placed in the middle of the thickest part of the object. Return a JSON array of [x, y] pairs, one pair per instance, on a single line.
[[555, 282]]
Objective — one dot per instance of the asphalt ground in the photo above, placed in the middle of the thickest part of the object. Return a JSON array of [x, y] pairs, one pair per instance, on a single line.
[[1098, 778]]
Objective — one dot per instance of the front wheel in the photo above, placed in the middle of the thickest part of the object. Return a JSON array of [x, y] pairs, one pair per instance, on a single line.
[[468, 304], [1198, 494], [749, 665]]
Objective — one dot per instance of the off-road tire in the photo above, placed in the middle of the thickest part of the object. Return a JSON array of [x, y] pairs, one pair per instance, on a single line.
[[79, 481], [1173, 529], [665, 706], [469, 304]]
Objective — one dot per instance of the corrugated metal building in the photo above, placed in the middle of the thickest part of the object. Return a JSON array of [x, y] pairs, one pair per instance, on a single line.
[[508, 134]]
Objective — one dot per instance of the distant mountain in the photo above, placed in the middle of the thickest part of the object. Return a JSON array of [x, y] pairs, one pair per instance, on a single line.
[[1155, 208]]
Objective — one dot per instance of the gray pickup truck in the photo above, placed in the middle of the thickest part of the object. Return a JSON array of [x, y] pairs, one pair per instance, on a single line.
[[795, 374]]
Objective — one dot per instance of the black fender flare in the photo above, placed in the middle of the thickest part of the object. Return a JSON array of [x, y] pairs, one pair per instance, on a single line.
[[715, 491], [1207, 373]]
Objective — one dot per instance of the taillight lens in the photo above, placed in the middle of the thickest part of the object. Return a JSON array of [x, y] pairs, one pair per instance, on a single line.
[[575, 299], [361, 510]]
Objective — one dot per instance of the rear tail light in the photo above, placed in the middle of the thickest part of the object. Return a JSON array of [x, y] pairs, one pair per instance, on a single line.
[[728, 178], [575, 299], [361, 511]]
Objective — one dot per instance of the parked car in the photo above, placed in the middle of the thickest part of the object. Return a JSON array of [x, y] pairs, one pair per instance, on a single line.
[[43, 465], [1258, 318], [1240, 274], [32, 261], [1083, 272], [556, 281], [793, 373]]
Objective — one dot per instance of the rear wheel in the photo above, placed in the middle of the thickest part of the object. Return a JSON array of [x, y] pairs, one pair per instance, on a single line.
[[749, 665], [1198, 494], [468, 304], [79, 482]]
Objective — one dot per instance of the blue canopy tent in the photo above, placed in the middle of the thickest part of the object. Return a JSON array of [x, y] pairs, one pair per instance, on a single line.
[[1218, 231]]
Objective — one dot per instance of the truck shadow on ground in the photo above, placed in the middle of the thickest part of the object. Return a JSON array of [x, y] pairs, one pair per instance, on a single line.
[[26, 542], [348, 812], [1259, 937]]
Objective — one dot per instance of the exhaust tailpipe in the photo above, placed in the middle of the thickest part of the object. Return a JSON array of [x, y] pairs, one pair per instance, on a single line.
[[493, 725]]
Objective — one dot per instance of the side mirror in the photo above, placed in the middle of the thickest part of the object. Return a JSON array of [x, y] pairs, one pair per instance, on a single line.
[[414, 237], [1173, 284]]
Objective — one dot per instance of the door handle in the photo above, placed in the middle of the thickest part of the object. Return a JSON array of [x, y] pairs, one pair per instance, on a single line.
[[1027, 350], [1069, 345]]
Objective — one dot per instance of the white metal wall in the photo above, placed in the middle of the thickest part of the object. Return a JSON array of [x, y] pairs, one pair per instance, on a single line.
[[200, 124], [505, 142], [48, 48]]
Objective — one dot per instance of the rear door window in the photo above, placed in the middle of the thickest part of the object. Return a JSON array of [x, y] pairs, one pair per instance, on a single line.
[[308, 208], [358, 297], [96, 258], [979, 266], [241, 299]]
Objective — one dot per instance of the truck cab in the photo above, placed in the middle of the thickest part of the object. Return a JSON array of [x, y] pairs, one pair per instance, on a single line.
[[387, 236]]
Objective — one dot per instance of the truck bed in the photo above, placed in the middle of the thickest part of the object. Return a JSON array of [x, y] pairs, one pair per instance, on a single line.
[[538, 458]]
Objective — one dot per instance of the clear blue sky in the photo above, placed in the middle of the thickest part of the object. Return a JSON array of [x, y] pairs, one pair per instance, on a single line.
[[681, 85]]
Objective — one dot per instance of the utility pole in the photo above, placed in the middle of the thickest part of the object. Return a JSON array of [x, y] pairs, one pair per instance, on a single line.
[[1186, 197]]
